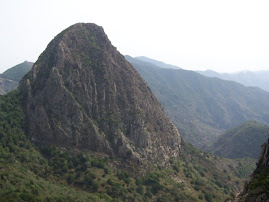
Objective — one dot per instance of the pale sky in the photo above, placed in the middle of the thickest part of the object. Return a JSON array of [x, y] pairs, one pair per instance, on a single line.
[[221, 35]]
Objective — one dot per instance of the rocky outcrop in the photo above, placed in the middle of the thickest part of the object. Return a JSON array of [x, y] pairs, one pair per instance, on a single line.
[[82, 93], [257, 188]]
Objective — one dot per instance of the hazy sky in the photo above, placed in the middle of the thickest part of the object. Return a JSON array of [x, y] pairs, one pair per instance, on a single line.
[[222, 35]]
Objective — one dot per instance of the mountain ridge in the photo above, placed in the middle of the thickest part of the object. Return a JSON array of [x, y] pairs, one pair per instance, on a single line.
[[9, 80], [242, 141], [157, 62], [203, 108], [247, 78]]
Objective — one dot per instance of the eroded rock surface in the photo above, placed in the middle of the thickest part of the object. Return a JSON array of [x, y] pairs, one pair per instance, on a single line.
[[82, 93]]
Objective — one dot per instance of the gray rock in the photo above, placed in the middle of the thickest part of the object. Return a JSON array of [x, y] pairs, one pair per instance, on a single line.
[[83, 94]]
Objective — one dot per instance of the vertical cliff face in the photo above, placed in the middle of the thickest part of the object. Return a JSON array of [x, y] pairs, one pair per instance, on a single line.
[[257, 188], [82, 93]]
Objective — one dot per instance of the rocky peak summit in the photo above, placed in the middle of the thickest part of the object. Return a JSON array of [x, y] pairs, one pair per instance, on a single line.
[[82, 93]]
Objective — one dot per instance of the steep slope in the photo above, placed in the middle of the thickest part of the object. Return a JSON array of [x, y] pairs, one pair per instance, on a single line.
[[257, 189], [248, 78], [203, 108], [10, 78], [83, 94], [242, 141]]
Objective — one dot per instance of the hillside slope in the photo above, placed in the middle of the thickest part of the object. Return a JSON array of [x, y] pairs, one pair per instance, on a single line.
[[242, 141], [17, 72], [9, 80], [7, 85], [203, 108]]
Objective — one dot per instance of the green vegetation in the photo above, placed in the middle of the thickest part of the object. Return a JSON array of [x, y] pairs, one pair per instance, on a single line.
[[258, 186], [245, 167], [259, 182], [30, 172], [242, 141]]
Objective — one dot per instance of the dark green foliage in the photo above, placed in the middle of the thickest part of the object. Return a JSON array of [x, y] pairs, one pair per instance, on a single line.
[[140, 189], [176, 168], [258, 186], [12, 124], [123, 175], [208, 197], [153, 180], [260, 182], [115, 190], [245, 167]]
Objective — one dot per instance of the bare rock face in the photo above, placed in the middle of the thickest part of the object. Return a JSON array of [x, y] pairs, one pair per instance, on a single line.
[[82, 93]]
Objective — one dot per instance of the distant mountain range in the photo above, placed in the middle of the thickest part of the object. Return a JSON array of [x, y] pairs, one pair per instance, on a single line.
[[203, 108], [248, 78], [242, 141], [157, 63], [9, 79]]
